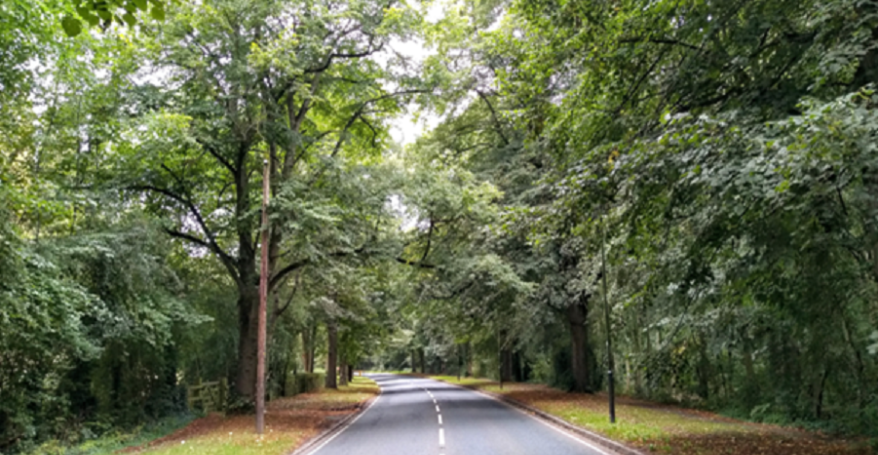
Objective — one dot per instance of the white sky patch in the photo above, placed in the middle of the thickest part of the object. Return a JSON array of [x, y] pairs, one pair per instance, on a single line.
[[405, 129], [408, 220], [435, 11]]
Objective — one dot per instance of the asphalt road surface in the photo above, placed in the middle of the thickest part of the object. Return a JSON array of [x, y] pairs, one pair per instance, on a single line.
[[415, 416]]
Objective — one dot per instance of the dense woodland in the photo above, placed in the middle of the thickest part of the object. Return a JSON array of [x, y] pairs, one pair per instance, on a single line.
[[691, 183]]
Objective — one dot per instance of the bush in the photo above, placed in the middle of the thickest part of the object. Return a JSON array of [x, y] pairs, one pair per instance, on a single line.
[[303, 383]]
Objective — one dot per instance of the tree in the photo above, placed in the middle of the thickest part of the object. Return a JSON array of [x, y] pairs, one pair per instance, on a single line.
[[257, 79]]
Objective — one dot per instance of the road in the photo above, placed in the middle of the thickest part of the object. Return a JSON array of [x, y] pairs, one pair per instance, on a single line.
[[415, 416]]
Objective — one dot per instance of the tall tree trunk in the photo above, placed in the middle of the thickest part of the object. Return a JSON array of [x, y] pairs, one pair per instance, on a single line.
[[637, 325], [331, 355], [306, 349], [343, 371], [750, 392], [704, 369], [350, 373], [248, 305], [468, 359], [628, 373], [423, 363], [313, 348], [577, 314], [414, 361], [645, 360], [818, 399], [506, 367]]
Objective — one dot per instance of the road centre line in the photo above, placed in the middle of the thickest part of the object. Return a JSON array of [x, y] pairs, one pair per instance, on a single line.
[[441, 437], [440, 419], [437, 408], [558, 429]]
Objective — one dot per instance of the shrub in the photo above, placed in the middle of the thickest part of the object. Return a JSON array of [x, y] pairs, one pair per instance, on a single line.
[[303, 383]]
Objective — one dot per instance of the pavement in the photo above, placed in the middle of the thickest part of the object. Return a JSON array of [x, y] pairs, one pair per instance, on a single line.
[[419, 416]]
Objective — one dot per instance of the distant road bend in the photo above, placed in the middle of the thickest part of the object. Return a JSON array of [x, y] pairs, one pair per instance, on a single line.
[[415, 416]]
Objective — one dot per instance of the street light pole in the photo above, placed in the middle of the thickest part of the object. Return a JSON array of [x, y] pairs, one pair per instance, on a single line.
[[611, 383], [263, 297]]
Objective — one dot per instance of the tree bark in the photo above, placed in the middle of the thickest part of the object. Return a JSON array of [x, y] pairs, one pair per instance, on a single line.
[[506, 367], [423, 363], [248, 304], [312, 348], [343, 372], [307, 362], [468, 359], [577, 314], [414, 361], [821, 387], [704, 370], [331, 355]]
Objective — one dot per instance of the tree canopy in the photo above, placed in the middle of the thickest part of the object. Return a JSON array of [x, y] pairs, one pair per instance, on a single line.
[[713, 163]]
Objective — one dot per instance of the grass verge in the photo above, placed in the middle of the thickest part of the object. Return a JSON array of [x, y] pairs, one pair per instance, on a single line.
[[115, 441], [289, 422], [665, 429]]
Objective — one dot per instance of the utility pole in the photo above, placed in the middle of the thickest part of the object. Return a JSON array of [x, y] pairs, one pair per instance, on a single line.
[[263, 297], [611, 384]]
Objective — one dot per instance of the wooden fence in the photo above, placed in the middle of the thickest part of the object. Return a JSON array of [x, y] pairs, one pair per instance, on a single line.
[[208, 396]]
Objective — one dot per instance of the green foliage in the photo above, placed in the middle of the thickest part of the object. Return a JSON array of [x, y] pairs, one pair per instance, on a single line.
[[726, 149], [105, 12], [116, 440], [87, 326], [303, 383], [721, 153]]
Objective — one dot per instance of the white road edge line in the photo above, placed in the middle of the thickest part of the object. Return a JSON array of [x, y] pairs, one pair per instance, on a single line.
[[559, 430], [440, 419], [441, 437], [348, 425]]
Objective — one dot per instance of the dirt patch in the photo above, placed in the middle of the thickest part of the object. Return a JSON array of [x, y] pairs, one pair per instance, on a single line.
[[303, 417]]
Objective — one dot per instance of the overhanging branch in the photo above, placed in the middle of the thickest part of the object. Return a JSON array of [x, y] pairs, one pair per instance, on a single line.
[[210, 242], [418, 264]]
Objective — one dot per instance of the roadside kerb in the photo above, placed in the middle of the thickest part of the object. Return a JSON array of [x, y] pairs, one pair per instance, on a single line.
[[315, 443], [603, 441]]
